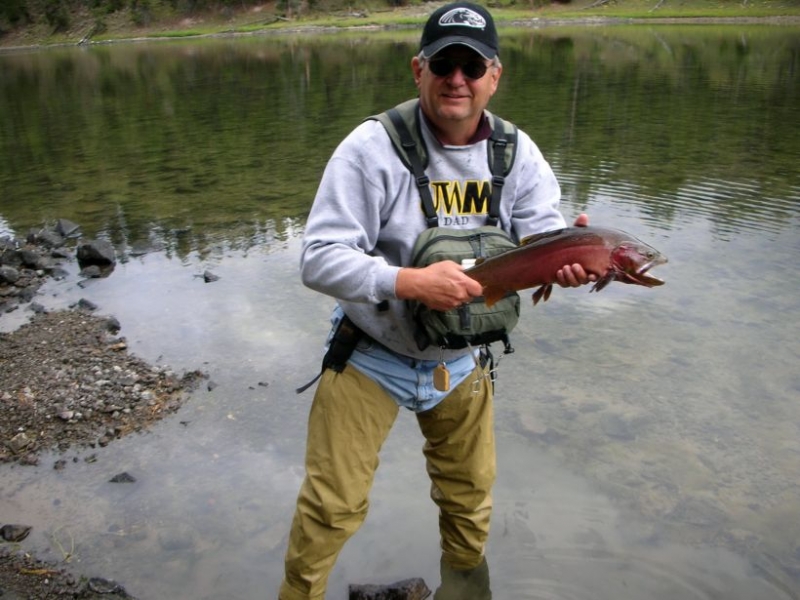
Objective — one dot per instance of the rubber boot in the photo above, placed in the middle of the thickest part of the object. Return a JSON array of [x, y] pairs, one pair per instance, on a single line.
[[472, 584]]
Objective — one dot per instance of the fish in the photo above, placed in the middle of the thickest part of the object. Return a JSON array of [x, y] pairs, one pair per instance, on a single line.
[[608, 254]]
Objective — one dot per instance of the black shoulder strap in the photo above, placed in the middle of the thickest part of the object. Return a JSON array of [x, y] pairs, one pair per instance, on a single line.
[[408, 112], [411, 151], [499, 144], [502, 152]]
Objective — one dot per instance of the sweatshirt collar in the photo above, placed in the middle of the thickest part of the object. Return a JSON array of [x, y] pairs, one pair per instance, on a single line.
[[483, 132]]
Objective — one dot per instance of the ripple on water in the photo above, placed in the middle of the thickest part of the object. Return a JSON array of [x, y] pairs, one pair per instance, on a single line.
[[581, 574], [556, 537]]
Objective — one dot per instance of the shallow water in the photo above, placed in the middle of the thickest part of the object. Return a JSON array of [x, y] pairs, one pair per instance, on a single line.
[[647, 438]]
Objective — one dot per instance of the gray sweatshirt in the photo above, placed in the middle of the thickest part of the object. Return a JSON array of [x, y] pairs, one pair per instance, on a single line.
[[367, 215]]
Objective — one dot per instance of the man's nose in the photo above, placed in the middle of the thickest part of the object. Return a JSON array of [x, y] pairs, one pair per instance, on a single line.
[[457, 76]]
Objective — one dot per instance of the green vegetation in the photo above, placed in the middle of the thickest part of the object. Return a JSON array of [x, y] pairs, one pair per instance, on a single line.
[[26, 22]]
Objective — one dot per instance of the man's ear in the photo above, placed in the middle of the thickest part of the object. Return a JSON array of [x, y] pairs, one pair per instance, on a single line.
[[496, 73], [416, 68]]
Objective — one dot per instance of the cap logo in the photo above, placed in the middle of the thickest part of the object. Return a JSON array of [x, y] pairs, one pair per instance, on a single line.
[[464, 17]]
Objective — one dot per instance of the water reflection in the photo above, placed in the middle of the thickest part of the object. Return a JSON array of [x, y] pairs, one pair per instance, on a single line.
[[217, 135], [647, 438]]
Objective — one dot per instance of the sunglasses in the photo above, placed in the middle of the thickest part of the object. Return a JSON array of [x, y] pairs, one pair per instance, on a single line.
[[472, 69]]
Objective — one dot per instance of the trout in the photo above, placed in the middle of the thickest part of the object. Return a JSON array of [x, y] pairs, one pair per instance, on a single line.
[[609, 254]]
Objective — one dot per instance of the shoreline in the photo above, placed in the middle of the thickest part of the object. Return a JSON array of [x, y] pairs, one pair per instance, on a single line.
[[174, 34]]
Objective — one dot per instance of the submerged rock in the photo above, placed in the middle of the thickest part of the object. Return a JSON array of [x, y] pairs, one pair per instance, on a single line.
[[66, 227], [14, 533], [407, 589], [210, 277], [98, 585]]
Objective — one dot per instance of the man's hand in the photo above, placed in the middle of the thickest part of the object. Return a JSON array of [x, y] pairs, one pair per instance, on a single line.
[[582, 220], [440, 286], [574, 275]]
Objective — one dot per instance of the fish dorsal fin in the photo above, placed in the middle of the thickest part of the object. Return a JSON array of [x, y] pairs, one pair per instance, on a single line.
[[536, 237]]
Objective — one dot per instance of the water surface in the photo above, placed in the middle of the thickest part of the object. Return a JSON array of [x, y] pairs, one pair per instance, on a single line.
[[647, 439]]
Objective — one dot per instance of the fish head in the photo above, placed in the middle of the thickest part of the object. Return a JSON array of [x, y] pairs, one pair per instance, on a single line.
[[632, 260]]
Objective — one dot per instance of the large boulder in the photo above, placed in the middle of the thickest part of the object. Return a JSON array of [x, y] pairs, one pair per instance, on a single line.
[[96, 253]]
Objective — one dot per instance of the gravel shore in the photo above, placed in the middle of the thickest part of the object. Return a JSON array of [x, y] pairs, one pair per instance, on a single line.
[[69, 381]]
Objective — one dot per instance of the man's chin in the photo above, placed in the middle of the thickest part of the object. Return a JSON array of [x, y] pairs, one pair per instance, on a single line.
[[454, 112]]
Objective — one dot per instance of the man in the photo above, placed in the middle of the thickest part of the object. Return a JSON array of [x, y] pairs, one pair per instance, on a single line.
[[357, 245]]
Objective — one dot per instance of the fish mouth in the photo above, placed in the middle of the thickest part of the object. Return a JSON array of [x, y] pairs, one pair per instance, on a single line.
[[643, 277]]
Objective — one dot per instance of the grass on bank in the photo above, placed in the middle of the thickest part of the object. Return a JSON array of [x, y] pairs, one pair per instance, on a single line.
[[163, 21], [379, 15]]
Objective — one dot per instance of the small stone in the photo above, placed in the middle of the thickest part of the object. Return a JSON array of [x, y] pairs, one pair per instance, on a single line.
[[123, 477], [8, 274], [14, 533], [86, 305], [66, 227], [19, 442], [98, 585], [29, 460], [113, 325], [37, 308]]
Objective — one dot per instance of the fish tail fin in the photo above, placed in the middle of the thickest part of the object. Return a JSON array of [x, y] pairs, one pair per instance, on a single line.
[[492, 295], [543, 293]]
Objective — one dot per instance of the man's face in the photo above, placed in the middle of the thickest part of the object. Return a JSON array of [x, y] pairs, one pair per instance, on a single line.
[[455, 95]]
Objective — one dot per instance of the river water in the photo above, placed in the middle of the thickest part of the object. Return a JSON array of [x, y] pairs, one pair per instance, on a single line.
[[648, 439]]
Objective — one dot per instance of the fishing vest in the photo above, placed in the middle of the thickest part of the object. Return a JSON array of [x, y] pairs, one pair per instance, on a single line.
[[473, 324]]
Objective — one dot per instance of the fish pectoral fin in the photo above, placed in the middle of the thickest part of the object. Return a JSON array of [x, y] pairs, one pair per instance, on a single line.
[[543, 293], [492, 295], [603, 281]]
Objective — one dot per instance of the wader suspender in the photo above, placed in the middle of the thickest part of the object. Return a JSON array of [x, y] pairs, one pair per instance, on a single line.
[[415, 164]]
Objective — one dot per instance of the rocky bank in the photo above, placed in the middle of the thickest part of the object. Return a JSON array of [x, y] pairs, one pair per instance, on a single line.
[[67, 380]]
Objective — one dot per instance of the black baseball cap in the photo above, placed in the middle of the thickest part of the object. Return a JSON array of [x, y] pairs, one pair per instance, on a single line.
[[462, 23]]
